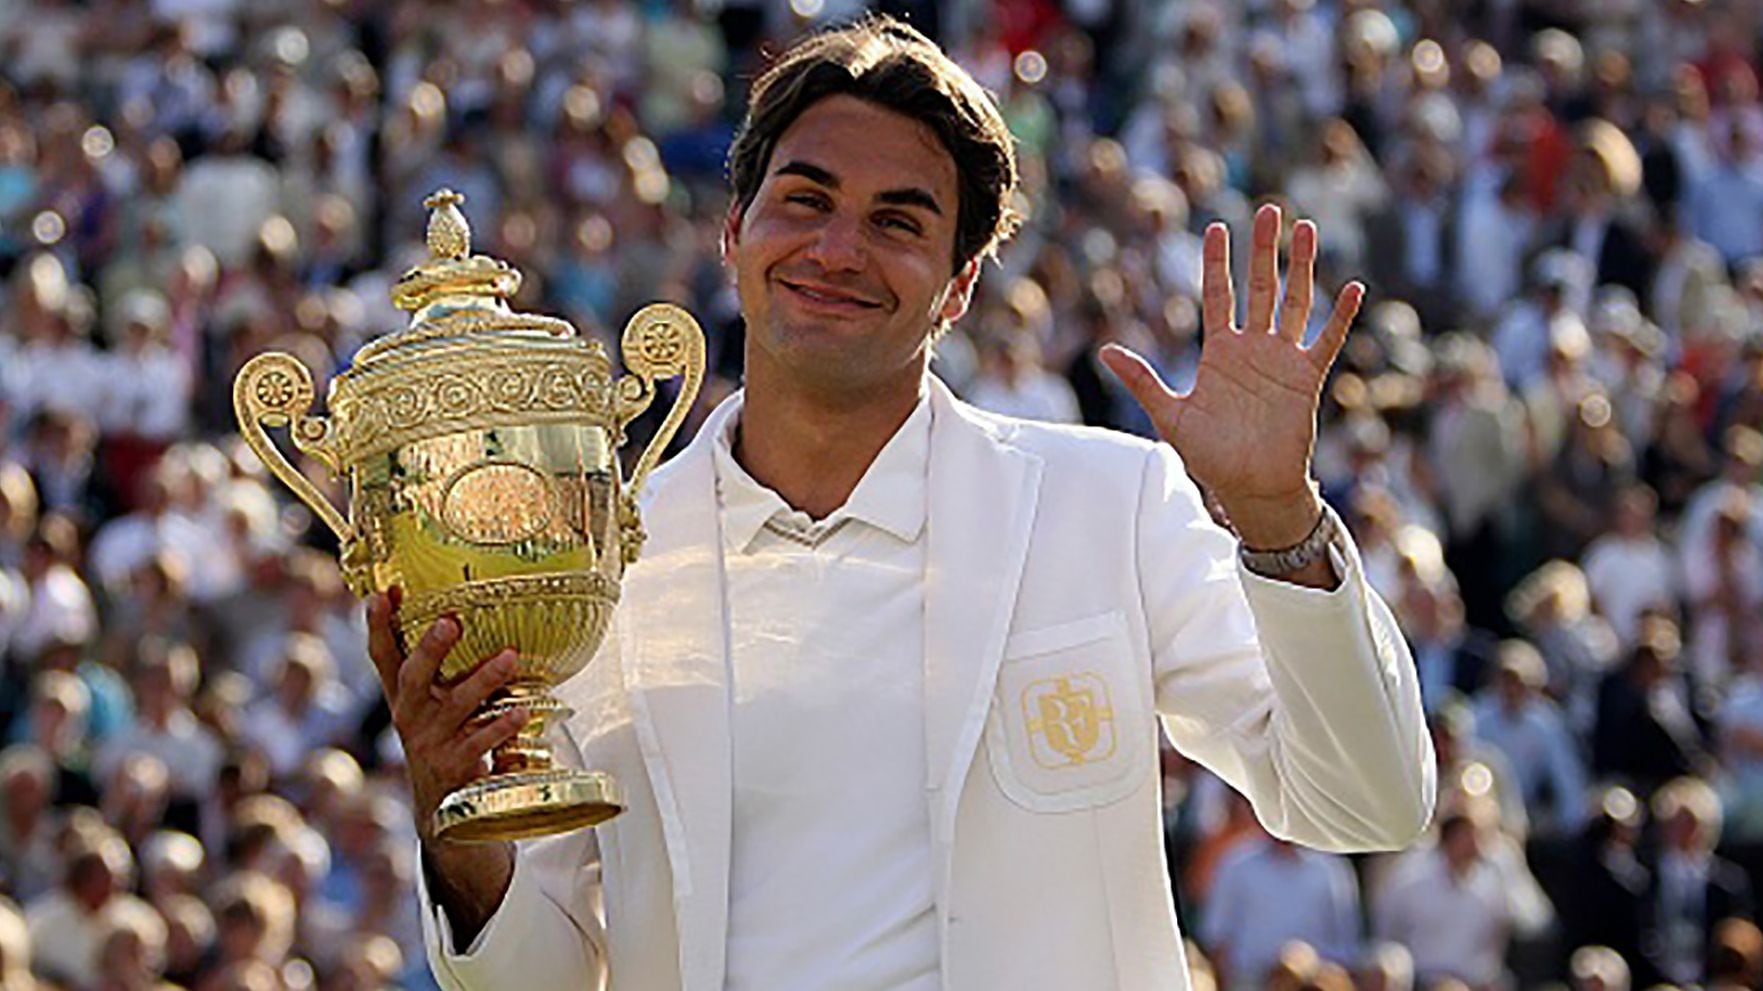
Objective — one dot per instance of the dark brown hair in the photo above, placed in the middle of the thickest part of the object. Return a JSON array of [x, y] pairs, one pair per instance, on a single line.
[[892, 65]]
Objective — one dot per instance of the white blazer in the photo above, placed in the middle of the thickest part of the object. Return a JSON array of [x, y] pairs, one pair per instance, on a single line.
[[1075, 590]]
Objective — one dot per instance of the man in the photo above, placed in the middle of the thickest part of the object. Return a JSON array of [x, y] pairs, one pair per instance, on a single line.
[[1268, 893], [1452, 906], [882, 690], [1519, 720], [1694, 889], [68, 925]]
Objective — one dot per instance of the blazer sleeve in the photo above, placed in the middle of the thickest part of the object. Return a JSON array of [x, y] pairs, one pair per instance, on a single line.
[[549, 929], [1304, 700]]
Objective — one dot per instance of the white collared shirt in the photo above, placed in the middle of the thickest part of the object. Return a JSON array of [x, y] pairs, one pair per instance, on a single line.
[[831, 874]]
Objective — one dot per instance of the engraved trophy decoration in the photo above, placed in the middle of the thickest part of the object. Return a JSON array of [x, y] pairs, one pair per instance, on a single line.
[[479, 450]]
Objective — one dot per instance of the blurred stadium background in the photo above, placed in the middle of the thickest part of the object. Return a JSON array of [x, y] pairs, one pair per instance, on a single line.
[[1545, 432]]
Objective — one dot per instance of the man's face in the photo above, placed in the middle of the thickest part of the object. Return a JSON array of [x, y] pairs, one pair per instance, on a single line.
[[1462, 847], [843, 258]]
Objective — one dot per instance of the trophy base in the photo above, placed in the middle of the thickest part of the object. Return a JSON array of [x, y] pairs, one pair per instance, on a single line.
[[528, 804]]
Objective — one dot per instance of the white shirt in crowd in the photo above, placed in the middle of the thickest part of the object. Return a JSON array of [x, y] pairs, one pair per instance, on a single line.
[[189, 751], [15, 600], [58, 607], [286, 737], [222, 202], [66, 938], [148, 395], [1266, 894], [1038, 395], [1491, 238], [1628, 575], [65, 377], [1456, 927], [128, 542], [831, 876]]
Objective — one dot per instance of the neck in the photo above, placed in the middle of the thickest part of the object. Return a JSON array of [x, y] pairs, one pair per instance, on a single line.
[[813, 448]]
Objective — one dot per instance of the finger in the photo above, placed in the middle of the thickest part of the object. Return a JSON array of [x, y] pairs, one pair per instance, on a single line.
[[464, 698], [1218, 299], [417, 676], [467, 755], [1294, 311], [382, 643], [1145, 384], [1346, 307], [1263, 270]]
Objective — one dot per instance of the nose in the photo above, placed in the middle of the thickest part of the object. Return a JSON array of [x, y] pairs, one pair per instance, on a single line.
[[839, 245]]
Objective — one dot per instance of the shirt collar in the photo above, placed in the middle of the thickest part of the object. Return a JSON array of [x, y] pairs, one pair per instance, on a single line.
[[891, 496]]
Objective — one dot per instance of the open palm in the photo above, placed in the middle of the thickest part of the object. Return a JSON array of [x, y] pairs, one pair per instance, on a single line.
[[1247, 427]]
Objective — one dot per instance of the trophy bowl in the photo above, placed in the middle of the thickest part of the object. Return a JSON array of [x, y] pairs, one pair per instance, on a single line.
[[479, 449]]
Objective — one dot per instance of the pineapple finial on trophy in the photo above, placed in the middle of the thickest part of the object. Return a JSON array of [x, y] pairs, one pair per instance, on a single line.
[[453, 276], [449, 235]]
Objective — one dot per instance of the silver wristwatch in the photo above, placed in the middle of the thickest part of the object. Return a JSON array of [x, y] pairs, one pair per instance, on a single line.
[[1290, 560]]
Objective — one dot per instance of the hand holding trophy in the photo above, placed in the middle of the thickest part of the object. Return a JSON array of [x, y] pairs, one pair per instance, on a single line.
[[479, 447]]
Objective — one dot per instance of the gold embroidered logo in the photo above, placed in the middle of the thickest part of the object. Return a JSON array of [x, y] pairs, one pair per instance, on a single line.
[[1070, 720]]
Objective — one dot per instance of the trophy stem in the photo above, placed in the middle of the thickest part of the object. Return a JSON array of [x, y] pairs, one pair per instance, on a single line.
[[527, 793], [529, 750]]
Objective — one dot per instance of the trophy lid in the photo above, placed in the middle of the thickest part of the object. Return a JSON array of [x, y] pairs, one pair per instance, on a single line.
[[456, 292]]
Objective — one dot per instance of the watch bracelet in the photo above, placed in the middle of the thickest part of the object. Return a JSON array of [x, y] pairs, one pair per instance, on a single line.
[[1290, 560]]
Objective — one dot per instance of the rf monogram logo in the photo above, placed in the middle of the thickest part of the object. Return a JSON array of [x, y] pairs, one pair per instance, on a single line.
[[1070, 720]]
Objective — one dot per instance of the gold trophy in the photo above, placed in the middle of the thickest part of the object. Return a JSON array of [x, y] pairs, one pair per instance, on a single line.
[[479, 449]]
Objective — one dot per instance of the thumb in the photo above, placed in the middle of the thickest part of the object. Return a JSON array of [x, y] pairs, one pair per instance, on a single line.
[[1146, 386]]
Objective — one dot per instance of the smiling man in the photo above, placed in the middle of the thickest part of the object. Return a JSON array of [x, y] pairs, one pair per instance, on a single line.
[[884, 690]]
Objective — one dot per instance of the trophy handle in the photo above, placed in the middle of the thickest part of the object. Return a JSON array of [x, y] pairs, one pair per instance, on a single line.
[[661, 342], [275, 390]]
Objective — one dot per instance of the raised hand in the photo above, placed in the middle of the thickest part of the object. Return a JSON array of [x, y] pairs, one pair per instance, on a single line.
[[1247, 428]]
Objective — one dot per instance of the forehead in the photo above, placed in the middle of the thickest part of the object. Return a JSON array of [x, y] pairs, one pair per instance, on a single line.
[[869, 148]]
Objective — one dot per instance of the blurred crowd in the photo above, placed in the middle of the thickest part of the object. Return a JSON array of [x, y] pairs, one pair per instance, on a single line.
[[1546, 432]]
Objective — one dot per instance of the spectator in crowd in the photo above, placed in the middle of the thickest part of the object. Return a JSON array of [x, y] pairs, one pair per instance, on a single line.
[[1736, 960], [1450, 908], [30, 828], [15, 950], [1387, 967], [1013, 381], [1695, 890], [1647, 729], [304, 710], [1610, 908], [1630, 570], [68, 925], [1552, 607], [1267, 893], [1723, 580], [165, 727], [1599, 968], [1514, 717]]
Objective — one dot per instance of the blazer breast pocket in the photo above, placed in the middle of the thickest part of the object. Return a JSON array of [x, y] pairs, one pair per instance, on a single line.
[[1069, 727]]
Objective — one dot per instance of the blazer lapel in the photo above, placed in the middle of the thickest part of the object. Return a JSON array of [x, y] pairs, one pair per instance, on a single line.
[[982, 506], [673, 646]]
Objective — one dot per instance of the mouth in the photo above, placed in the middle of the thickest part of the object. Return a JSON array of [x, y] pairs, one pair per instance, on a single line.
[[824, 297]]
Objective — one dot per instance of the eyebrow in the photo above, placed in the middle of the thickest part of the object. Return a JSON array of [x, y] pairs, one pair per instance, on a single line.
[[907, 196]]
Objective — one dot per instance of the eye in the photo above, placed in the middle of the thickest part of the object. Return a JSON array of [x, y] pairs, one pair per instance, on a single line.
[[899, 222], [810, 199]]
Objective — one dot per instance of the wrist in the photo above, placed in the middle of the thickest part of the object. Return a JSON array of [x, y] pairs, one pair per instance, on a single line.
[[1268, 523]]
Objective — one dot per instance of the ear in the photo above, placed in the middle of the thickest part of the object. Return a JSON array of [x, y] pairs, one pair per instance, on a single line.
[[960, 293], [731, 231]]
